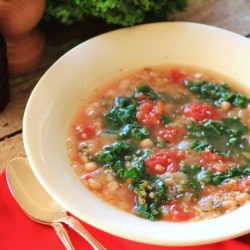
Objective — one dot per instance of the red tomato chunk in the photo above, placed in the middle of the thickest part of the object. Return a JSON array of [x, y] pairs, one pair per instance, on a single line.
[[216, 162], [200, 111], [178, 213], [84, 131], [177, 76], [172, 134], [149, 114], [164, 161]]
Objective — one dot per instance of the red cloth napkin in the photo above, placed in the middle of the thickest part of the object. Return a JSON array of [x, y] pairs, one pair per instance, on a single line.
[[17, 231]]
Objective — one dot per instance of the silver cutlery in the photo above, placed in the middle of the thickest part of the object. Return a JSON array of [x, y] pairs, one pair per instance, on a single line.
[[40, 206]]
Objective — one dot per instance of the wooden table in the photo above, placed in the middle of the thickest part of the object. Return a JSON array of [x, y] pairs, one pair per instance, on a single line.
[[228, 14]]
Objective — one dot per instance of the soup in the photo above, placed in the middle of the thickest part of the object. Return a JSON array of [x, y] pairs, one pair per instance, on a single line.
[[166, 143]]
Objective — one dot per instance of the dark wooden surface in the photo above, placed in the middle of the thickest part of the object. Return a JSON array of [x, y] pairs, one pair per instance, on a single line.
[[228, 14]]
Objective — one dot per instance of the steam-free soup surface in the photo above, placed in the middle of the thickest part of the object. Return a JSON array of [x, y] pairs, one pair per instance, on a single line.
[[167, 143]]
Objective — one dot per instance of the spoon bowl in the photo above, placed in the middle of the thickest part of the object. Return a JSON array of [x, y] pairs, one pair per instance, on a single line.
[[17, 171], [39, 205]]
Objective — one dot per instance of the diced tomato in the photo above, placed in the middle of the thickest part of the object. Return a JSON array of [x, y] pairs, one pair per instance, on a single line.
[[216, 162], [174, 159], [177, 76], [141, 97], [164, 161], [200, 111], [157, 163], [76, 158], [244, 184], [84, 131], [231, 186], [246, 181], [171, 134], [149, 114], [207, 190], [177, 213], [209, 157]]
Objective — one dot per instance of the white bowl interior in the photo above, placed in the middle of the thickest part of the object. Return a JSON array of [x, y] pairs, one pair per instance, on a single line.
[[79, 72]]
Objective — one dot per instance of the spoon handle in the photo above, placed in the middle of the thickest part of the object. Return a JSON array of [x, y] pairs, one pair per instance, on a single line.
[[78, 227], [63, 235]]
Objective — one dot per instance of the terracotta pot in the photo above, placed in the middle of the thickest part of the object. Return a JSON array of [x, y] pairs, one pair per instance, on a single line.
[[25, 42]]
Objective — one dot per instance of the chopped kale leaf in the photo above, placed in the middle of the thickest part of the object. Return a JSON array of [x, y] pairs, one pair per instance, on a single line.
[[235, 172], [134, 131], [150, 93], [229, 132], [123, 112], [151, 194], [165, 120], [138, 171], [200, 146], [147, 91], [113, 157], [191, 172], [216, 92], [199, 175]]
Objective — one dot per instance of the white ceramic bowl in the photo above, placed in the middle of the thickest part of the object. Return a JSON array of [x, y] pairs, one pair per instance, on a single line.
[[76, 75]]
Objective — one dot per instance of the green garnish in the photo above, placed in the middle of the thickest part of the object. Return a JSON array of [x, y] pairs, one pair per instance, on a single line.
[[113, 157], [150, 196], [199, 175], [147, 91], [217, 92], [134, 131], [223, 136], [123, 112]]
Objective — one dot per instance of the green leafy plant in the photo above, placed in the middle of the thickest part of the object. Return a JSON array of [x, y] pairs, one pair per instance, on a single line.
[[125, 13]]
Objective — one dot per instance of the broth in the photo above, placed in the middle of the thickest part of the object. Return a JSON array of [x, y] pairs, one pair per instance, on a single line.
[[165, 143]]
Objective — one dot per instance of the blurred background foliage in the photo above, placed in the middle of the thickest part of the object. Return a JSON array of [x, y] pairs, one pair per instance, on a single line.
[[121, 12]]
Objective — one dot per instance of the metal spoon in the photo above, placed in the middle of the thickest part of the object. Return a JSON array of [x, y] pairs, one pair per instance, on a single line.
[[40, 206]]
